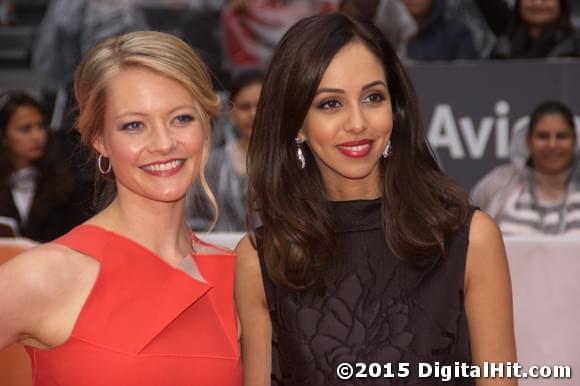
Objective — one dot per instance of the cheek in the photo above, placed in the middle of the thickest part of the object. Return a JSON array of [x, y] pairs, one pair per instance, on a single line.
[[237, 117], [381, 119], [570, 146], [535, 146], [44, 138], [18, 142], [193, 141], [123, 149], [246, 118], [320, 128]]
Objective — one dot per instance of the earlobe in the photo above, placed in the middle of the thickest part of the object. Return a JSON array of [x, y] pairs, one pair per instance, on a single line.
[[300, 136]]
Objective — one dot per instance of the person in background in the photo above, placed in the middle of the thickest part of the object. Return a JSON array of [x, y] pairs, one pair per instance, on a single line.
[[131, 297], [226, 167], [251, 28], [391, 16], [438, 38], [368, 252], [539, 191], [533, 29], [36, 187]]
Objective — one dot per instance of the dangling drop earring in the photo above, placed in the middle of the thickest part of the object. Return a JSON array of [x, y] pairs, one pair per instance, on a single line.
[[388, 150], [300, 153]]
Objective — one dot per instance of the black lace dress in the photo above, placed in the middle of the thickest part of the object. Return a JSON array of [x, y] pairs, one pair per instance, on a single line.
[[374, 308]]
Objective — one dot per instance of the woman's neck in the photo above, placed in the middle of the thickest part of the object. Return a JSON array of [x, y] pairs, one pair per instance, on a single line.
[[19, 165], [535, 31], [550, 188], [240, 156], [244, 144], [158, 226], [364, 189]]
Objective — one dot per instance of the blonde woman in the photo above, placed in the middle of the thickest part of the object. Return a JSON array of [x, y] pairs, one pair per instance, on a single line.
[[131, 297]]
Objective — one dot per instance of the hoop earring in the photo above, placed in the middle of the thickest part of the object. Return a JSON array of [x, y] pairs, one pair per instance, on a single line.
[[300, 153], [388, 150], [100, 166]]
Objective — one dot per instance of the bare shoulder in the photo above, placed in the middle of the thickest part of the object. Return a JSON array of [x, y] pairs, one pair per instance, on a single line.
[[486, 256], [38, 267], [246, 248], [37, 289], [47, 265], [483, 229], [248, 283], [248, 272]]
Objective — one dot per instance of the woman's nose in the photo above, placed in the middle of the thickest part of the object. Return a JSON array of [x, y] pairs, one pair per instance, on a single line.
[[356, 122], [162, 139]]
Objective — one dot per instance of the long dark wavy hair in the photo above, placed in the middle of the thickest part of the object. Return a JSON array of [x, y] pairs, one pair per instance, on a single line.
[[421, 206]]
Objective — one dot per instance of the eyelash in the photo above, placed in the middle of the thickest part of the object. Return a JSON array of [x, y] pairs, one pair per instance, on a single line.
[[380, 96], [377, 98], [132, 126], [325, 105], [183, 119]]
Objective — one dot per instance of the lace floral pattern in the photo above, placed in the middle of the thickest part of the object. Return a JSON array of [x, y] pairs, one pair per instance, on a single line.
[[374, 309], [345, 328]]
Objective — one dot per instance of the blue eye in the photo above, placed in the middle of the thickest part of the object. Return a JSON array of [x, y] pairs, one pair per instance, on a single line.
[[184, 119], [132, 126], [331, 104], [374, 98]]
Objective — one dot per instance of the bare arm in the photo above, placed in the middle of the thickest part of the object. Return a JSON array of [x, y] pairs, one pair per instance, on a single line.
[[41, 293], [253, 310], [488, 298]]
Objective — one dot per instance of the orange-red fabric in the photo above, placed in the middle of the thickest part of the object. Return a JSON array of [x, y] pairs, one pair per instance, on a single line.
[[145, 322]]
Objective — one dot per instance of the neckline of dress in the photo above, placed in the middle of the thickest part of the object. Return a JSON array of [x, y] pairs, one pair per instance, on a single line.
[[356, 215], [140, 246]]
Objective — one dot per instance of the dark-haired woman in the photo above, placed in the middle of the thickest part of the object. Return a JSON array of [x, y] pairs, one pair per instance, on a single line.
[[226, 166], [533, 29], [36, 187], [539, 191], [368, 252]]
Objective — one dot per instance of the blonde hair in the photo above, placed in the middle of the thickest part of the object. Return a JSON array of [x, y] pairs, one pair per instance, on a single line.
[[159, 52]]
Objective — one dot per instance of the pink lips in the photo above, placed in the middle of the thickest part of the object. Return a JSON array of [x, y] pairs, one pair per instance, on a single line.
[[164, 169], [355, 149]]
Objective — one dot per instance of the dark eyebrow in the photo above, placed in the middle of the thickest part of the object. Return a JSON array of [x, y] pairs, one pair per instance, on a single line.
[[329, 90], [341, 91], [375, 83]]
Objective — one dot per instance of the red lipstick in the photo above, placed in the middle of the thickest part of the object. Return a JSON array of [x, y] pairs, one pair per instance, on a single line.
[[355, 149]]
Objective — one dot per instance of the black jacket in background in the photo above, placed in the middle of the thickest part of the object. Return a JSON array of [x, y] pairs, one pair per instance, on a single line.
[[441, 39]]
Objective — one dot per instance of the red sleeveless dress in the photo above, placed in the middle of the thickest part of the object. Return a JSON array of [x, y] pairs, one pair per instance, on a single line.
[[145, 322]]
